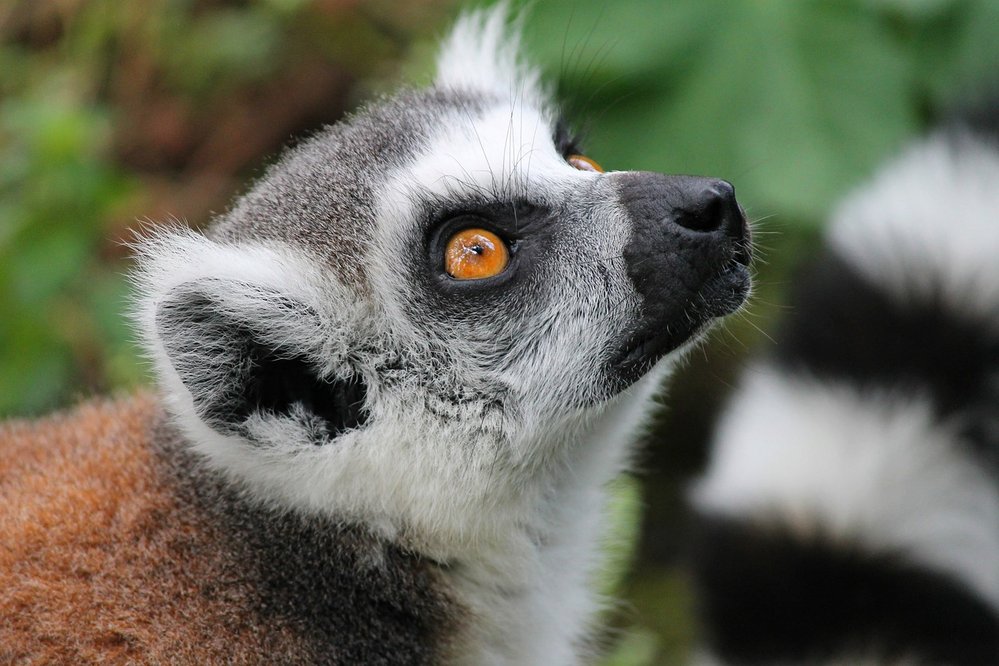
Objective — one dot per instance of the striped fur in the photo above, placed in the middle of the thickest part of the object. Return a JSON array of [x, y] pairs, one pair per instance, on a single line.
[[850, 513]]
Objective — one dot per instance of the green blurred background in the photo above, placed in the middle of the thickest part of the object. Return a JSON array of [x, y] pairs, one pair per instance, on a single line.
[[112, 113]]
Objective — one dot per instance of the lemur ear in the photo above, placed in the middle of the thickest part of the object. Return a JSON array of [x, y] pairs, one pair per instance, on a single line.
[[482, 53], [240, 346], [244, 366]]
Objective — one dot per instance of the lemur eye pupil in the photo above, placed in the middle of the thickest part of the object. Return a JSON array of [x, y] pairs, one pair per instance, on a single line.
[[474, 254], [584, 163]]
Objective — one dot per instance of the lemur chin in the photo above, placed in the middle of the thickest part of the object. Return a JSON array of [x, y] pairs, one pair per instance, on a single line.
[[393, 379]]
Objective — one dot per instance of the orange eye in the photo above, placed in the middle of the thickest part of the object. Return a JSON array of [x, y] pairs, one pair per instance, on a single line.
[[584, 163], [473, 254]]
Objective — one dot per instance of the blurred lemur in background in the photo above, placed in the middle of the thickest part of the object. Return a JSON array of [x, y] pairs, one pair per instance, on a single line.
[[394, 380], [850, 514]]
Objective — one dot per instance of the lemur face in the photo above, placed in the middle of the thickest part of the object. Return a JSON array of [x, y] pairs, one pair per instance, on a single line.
[[592, 277], [443, 267]]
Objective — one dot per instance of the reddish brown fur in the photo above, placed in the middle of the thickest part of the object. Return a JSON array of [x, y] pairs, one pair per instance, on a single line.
[[99, 562]]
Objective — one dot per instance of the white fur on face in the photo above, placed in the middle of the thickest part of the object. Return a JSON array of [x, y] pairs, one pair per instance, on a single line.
[[505, 153], [928, 226], [866, 466]]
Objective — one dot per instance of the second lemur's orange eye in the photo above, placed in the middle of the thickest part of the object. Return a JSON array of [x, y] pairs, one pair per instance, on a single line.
[[473, 254], [584, 163]]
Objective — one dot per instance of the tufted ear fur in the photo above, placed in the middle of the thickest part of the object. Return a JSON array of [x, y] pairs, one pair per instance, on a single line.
[[235, 371], [482, 53], [239, 347]]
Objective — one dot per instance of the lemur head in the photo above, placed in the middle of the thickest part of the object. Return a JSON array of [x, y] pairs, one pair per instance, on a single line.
[[418, 309]]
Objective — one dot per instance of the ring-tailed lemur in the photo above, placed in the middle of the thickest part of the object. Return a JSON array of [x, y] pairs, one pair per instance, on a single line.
[[851, 510], [395, 379]]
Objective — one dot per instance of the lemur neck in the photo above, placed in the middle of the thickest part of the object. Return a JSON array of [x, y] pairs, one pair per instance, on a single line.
[[532, 593]]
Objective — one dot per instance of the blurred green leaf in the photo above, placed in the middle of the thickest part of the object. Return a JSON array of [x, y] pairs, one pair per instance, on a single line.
[[58, 190], [109, 300], [47, 264], [624, 515], [792, 101], [224, 48], [959, 55], [638, 647]]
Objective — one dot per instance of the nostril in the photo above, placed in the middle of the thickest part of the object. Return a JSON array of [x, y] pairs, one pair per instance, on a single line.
[[719, 192], [660, 204], [711, 207]]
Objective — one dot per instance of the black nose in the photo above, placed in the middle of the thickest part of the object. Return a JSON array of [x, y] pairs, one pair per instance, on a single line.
[[687, 256], [705, 205]]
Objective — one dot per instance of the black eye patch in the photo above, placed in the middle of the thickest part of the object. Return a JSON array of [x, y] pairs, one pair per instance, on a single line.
[[526, 227], [516, 222]]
